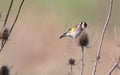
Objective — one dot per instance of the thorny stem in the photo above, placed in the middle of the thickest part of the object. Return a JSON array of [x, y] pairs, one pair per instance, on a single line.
[[114, 67], [102, 37], [8, 13], [4, 41], [71, 69], [82, 61], [16, 16]]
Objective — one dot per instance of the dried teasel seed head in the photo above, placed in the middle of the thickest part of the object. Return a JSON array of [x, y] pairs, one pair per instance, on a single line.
[[4, 70], [71, 61], [4, 33], [83, 39]]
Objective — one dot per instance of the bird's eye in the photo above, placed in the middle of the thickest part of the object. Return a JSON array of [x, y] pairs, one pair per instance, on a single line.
[[76, 26]]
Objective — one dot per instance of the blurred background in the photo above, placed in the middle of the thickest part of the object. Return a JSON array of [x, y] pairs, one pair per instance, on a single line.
[[34, 47]]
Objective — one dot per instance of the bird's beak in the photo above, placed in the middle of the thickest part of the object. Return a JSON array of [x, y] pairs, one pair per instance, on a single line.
[[61, 36]]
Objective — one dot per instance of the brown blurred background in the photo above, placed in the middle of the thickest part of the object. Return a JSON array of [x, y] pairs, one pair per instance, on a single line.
[[34, 47]]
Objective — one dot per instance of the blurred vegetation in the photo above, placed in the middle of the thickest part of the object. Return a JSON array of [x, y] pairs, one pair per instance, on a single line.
[[34, 52], [72, 11], [4, 5], [79, 10]]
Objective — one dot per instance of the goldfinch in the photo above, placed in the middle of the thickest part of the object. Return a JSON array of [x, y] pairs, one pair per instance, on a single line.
[[74, 31]]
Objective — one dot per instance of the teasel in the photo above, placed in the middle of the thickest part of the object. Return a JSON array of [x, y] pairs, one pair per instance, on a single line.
[[4, 33], [4, 70], [71, 61], [83, 39]]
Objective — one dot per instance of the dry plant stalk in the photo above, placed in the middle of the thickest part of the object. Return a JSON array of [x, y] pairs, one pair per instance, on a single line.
[[4, 40], [114, 67], [71, 63], [82, 41], [102, 37], [82, 62]]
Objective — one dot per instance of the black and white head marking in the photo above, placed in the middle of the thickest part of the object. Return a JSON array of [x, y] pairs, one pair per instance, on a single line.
[[83, 25]]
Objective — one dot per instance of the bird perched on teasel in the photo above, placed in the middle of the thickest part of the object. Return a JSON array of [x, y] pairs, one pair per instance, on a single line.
[[75, 30]]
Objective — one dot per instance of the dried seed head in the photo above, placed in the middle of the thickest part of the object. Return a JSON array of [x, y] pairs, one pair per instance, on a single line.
[[83, 39], [4, 34], [71, 61], [4, 70]]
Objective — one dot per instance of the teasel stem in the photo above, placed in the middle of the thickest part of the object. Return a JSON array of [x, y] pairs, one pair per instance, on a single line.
[[4, 41], [82, 61], [114, 67], [102, 37]]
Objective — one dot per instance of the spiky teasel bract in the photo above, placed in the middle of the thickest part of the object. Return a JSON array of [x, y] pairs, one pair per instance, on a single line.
[[71, 61], [83, 39]]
